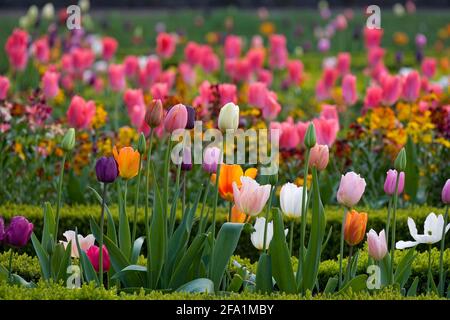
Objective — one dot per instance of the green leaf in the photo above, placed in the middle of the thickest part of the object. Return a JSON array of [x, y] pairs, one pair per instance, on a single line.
[[264, 282], [357, 284], [226, 242], [137, 246], [236, 283], [412, 178], [403, 270], [111, 227], [48, 233], [135, 270], [16, 279], [412, 291], [43, 257], [331, 286], [330, 232], [279, 252], [124, 226], [201, 285], [312, 259]]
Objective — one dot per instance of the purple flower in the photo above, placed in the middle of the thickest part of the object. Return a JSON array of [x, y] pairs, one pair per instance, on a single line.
[[445, 192], [18, 232], [391, 178], [190, 118], [211, 159], [106, 169], [186, 162]]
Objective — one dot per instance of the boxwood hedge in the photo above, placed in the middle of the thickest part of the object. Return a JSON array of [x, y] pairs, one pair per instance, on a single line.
[[78, 216]]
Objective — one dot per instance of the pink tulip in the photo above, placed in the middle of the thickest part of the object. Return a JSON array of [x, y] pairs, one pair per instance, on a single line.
[[50, 84], [271, 106], [133, 97], [67, 63], [421, 40], [392, 89], [176, 118], [256, 57], [373, 37], [322, 92], [227, 93], [153, 69], [301, 130], [41, 50], [377, 245], [232, 47], [349, 89], [159, 91], [343, 63], [429, 67], [168, 77], [4, 87], [109, 47], [373, 97], [137, 115], [131, 65], [351, 189], [446, 192], [295, 72], [378, 72], [93, 254], [209, 60], [289, 137], [330, 112], [82, 59], [67, 82], [391, 180], [192, 53], [264, 76], [251, 197], [16, 48], [80, 113], [116, 74], [257, 94], [187, 73], [375, 56], [411, 86], [165, 45], [329, 77], [319, 156], [278, 53], [326, 130]]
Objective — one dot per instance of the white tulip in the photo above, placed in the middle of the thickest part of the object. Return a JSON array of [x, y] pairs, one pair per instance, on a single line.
[[48, 11], [291, 198], [229, 117], [432, 231], [85, 242], [257, 237], [84, 5], [33, 13], [24, 22]]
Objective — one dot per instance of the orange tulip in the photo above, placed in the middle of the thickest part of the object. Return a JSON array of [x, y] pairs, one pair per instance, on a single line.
[[128, 162], [230, 173], [237, 216], [355, 227]]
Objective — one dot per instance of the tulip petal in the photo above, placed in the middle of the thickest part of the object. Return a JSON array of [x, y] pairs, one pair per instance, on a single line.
[[406, 244]]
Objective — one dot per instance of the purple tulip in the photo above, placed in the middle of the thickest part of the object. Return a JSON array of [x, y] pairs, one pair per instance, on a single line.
[[18, 232], [446, 192], [190, 117], [186, 161], [2, 229], [106, 169], [211, 159], [389, 183]]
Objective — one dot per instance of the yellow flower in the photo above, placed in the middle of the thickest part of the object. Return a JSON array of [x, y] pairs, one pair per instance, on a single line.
[[128, 161], [18, 148], [100, 117], [267, 28], [126, 136], [300, 181], [400, 38], [104, 146]]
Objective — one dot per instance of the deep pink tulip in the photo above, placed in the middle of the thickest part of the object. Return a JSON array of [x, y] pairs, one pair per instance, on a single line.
[[251, 197], [82, 59], [391, 180], [176, 118], [116, 75], [392, 89], [256, 57], [4, 87], [50, 84], [322, 92], [377, 245], [153, 69], [265, 76], [232, 47], [209, 60], [373, 97], [411, 86], [429, 67], [326, 130], [192, 53], [137, 115], [375, 56], [295, 72], [16, 49], [373, 37], [319, 156], [288, 133], [133, 97], [41, 50], [329, 111], [349, 89], [257, 94], [278, 54], [446, 192], [271, 107], [159, 91], [343, 63], [165, 45], [131, 65], [93, 254], [80, 113], [227, 93], [351, 189], [109, 47]]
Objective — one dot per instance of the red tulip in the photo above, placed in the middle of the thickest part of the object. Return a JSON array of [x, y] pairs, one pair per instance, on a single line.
[[93, 254]]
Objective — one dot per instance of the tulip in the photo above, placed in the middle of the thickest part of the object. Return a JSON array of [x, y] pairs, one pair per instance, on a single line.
[[41, 50], [390, 182], [351, 189], [373, 37], [186, 161], [229, 117], [400, 161], [445, 195], [291, 200], [326, 131], [237, 216], [17, 49], [109, 47], [319, 156], [85, 242], [428, 67], [229, 174], [50, 84], [4, 87], [190, 117], [160, 91], [93, 254], [257, 236], [116, 75], [106, 169], [232, 47], [377, 244], [18, 232], [227, 93], [295, 72], [211, 159], [165, 45], [131, 65], [289, 137], [154, 114], [278, 53], [251, 197], [48, 11], [392, 89], [176, 118], [355, 227], [411, 86], [433, 230], [349, 89], [68, 141], [127, 161], [343, 63], [373, 97], [80, 113]]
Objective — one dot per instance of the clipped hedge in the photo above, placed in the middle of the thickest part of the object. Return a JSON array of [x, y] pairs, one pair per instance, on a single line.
[[78, 216]]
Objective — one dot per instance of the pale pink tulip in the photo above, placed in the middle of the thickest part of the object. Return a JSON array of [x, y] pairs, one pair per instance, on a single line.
[[251, 197], [351, 189], [319, 156], [85, 242], [377, 244]]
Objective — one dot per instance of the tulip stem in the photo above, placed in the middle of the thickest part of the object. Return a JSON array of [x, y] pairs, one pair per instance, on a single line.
[[441, 256], [166, 176], [205, 196], [429, 269], [341, 249], [147, 191], [100, 241], [291, 236], [388, 222], [394, 223], [269, 206], [216, 198], [303, 215], [136, 199], [58, 203], [184, 193], [10, 265], [349, 264], [230, 209]]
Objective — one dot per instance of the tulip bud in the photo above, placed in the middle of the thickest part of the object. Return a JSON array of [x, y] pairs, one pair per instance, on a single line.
[[141, 144], [93, 254], [106, 169], [310, 136], [355, 227], [400, 161], [391, 181], [176, 118], [229, 117], [319, 156], [446, 192], [154, 114], [191, 117], [377, 245], [68, 142]]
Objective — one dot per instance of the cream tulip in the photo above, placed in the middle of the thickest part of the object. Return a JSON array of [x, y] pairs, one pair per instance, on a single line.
[[229, 117], [291, 200]]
